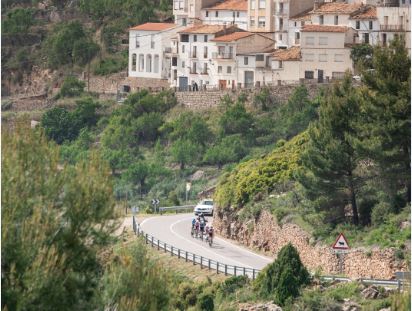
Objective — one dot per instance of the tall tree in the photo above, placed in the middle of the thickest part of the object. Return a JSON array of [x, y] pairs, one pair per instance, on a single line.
[[386, 116], [54, 221], [331, 157]]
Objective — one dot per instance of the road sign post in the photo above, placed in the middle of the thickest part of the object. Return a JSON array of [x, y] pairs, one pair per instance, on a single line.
[[155, 203], [341, 246]]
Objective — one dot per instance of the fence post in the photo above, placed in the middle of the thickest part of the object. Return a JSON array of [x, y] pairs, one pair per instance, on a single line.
[[194, 262], [147, 239], [217, 267], [244, 271], [235, 270], [165, 246], [225, 269], [152, 241], [171, 250], [399, 285], [208, 264], [201, 262], [158, 244], [178, 253], [253, 274], [186, 256]]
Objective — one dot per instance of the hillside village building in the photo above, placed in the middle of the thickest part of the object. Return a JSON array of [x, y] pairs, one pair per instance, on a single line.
[[231, 44]]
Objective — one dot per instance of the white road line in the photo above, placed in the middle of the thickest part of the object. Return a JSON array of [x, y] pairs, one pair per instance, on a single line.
[[208, 250]]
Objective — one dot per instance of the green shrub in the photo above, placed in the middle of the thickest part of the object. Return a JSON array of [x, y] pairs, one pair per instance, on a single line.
[[71, 87], [283, 278], [205, 302], [187, 294], [17, 21], [380, 213], [110, 65], [230, 285], [6, 105]]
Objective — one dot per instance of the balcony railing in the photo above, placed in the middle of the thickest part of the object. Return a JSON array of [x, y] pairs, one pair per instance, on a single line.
[[222, 55], [167, 50], [392, 28]]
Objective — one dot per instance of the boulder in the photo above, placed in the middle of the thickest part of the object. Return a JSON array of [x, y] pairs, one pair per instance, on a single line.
[[370, 292], [350, 306], [269, 306], [197, 175]]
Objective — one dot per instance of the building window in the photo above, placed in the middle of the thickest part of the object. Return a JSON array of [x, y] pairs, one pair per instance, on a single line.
[[323, 58], [384, 39], [252, 4], [280, 37], [280, 23], [262, 4], [183, 48], [229, 69], [174, 61], [134, 59], [246, 61], [219, 69], [296, 24], [204, 68], [371, 25], [337, 75], [260, 58], [309, 75], [366, 38], [336, 19], [205, 52], [184, 22], [320, 19], [357, 24], [207, 13], [233, 14], [297, 37], [338, 58], [137, 43], [176, 5], [205, 38], [237, 14], [156, 64], [148, 63], [183, 64], [262, 22], [194, 68], [310, 40], [280, 64], [184, 38], [141, 62], [181, 5], [385, 20], [195, 38], [152, 44], [217, 14], [252, 22], [323, 40], [194, 52]]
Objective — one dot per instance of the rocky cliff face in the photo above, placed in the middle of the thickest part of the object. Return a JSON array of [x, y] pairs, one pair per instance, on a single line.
[[266, 234]]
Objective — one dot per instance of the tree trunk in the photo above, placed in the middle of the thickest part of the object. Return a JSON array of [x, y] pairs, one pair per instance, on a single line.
[[182, 166], [353, 200]]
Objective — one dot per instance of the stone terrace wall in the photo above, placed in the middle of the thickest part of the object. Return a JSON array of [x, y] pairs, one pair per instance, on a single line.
[[208, 99], [266, 234]]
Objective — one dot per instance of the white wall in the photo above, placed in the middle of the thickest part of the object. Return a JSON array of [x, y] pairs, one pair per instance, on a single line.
[[364, 28], [289, 73], [225, 17]]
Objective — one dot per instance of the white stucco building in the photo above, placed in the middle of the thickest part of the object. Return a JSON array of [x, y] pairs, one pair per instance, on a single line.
[[229, 12], [325, 52], [394, 21], [286, 65], [149, 48], [365, 22]]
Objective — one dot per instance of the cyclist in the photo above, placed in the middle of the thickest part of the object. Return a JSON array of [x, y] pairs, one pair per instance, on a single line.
[[202, 227], [207, 231], [210, 235], [197, 226], [193, 226]]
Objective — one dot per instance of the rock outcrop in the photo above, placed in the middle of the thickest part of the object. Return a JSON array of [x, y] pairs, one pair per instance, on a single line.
[[264, 233]]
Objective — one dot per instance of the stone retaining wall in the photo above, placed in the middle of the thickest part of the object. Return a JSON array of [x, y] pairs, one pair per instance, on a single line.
[[266, 234]]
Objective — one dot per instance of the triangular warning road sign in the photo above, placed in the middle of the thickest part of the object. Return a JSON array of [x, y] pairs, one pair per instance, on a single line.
[[341, 242]]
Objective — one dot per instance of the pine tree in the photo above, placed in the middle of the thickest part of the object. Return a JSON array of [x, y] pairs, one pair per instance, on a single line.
[[384, 129], [331, 158]]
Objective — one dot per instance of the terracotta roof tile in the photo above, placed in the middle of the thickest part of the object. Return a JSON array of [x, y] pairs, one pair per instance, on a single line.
[[233, 36], [304, 16], [204, 28], [233, 5], [153, 26], [336, 8], [324, 28], [290, 54], [368, 13]]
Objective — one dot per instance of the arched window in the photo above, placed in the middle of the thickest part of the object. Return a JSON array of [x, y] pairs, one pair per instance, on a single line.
[[141, 62], [156, 63], [134, 59], [148, 63]]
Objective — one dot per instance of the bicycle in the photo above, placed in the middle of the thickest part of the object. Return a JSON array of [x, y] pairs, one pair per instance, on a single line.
[[192, 232], [210, 240]]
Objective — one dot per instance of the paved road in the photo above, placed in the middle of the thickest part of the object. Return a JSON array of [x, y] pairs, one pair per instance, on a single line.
[[175, 230]]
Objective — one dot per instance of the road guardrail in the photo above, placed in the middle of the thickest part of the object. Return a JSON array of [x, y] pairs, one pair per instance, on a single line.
[[176, 208], [219, 267]]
